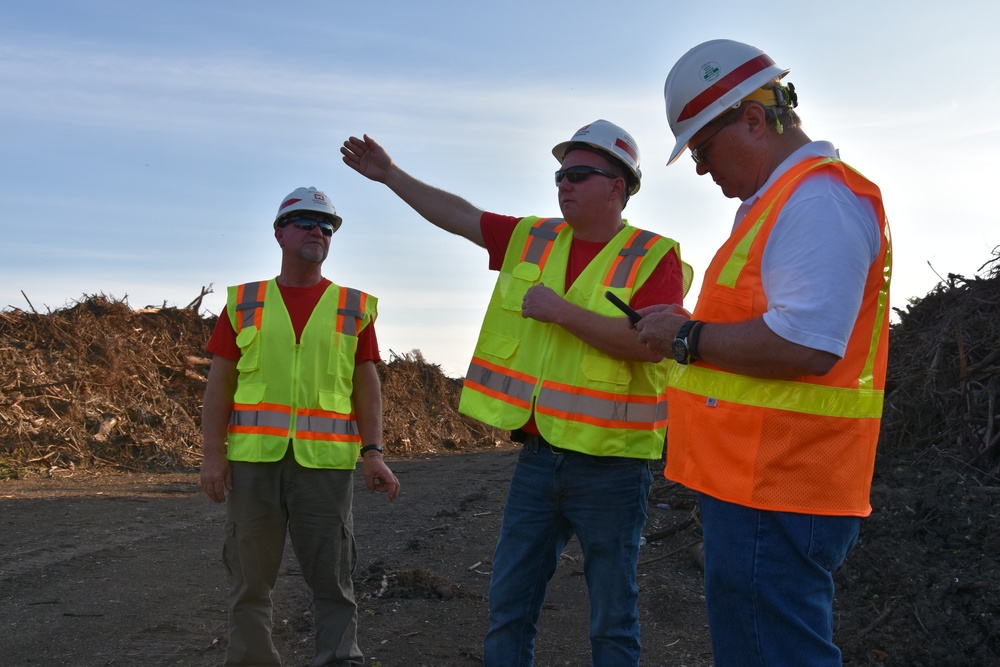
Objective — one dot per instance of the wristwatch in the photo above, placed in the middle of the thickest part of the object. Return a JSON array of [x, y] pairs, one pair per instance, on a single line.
[[371, 448], [685, 345]]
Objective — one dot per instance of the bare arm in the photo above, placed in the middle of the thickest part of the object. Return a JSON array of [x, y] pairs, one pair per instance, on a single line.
[[611, 335], [443, 209], [216, 477], [748, 348], [368, 412]]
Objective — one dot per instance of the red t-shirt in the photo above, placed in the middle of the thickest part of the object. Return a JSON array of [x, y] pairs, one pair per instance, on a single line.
[[300, 302], [664, 285]]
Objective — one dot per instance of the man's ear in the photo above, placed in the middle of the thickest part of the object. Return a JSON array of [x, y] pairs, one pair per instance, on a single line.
[[279, 233], [756, 119]]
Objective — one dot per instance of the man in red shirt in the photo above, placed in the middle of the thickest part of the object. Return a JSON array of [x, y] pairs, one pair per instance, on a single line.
[[558, 366], [293, 398]]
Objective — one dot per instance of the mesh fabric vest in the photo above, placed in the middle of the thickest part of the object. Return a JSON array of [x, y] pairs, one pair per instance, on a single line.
[[805, 445]]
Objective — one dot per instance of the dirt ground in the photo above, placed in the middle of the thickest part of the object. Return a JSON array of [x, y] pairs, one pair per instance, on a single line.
[[111, 555], [125, 570], [111, 569]]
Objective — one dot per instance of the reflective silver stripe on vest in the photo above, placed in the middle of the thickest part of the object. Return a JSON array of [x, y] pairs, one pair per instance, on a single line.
[[351, 312], [501, 383], [330, 425], [250, 302], [630, 256], [591, 409], [269, 419], [540, 237]]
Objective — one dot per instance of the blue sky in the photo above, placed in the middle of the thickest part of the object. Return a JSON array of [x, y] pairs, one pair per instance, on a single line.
[[146, 145]]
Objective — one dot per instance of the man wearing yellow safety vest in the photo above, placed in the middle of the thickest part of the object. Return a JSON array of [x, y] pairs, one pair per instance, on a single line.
[[294, 390], [557, 364], [776, 394]]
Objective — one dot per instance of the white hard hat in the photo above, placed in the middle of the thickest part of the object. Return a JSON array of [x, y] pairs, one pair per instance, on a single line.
[[709, 79], [607, 138], [308, 199]]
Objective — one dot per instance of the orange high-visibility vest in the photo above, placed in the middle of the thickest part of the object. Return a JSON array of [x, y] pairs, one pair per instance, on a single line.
[[805, 445], [300, 392], [584, 400]]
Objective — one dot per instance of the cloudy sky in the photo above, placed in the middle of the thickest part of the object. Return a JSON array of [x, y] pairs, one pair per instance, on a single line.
[[145, 146]]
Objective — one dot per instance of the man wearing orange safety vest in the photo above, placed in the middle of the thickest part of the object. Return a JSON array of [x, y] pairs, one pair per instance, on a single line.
[[293, 399], [776, 395], [557, 365]]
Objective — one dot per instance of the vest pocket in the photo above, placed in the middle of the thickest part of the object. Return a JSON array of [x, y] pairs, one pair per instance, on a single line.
[[249, 394], [332, 401], [249, 341], [604, 370], [522, 278], [497, 347]]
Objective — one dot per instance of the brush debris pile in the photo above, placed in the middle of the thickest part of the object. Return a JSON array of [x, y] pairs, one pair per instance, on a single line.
[[100, 384]]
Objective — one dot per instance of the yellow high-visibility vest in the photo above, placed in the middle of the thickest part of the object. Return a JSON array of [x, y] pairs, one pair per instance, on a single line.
[[584, 399], [298, 392]]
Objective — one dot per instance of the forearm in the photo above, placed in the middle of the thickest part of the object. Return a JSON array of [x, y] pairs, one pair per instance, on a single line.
[[443, 209], [217, 407], [611, 335], [367, 400], [751, 348]]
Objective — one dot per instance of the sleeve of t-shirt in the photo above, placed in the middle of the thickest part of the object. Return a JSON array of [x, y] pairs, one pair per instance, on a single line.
[[497, 230], [664, 285], [816, 263], [223, 342]]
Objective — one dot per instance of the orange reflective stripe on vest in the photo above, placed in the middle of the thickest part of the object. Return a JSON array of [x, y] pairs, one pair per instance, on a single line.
[[325, 425], [265, 418], [601, 408], [540, 240], [250, 305], [350, 310], [501, 383]]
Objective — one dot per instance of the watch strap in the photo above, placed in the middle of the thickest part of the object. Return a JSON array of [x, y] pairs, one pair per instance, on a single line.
[[370, 448]]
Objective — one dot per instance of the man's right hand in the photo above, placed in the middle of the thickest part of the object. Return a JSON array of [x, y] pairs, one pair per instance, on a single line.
[[367, 158], [216, 477]]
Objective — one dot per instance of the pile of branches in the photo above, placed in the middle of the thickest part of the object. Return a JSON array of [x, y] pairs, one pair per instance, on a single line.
[[98, 384], [420, 410], [943, 380]]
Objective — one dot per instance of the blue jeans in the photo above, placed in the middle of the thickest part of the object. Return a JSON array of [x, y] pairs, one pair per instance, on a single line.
[[553, 496], [769, 584]]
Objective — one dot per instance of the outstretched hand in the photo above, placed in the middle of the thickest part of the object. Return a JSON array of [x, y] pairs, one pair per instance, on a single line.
[[367, 158]]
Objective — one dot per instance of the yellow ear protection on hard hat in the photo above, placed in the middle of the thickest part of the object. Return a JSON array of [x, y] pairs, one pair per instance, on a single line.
[[780, 96]]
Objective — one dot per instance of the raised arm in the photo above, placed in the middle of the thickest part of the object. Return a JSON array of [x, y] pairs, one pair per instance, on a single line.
[[443, 209]]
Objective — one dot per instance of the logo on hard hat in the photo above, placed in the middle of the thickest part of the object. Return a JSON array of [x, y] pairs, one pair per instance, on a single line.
[[318, 196], [710, 70]]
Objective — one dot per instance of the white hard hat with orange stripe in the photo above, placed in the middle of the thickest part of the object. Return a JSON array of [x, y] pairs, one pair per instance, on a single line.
[[607, 138], [308, 199], [710, 79]]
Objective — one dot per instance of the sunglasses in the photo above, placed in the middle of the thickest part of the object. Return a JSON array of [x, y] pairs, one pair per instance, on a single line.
[[700, 154], [580, 173], [309, 224]]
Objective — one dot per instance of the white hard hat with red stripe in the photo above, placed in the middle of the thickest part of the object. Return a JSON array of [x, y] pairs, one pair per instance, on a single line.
[[308, 199], [709, 79], [607, 138]]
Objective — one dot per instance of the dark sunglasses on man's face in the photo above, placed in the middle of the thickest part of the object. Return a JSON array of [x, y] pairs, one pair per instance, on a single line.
[[580, 173], [309, 224]]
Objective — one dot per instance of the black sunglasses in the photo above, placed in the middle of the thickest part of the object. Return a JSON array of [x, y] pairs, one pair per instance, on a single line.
[[309, 224], [580, 173], [699, 153]]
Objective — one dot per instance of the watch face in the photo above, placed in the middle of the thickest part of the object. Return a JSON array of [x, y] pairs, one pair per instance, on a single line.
[[680, 351]]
